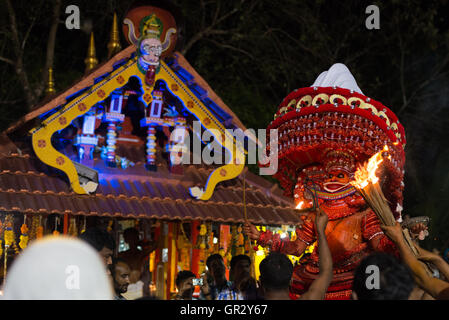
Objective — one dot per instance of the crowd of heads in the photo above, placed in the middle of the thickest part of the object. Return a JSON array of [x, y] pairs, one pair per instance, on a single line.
[[68, 268], [39, 269]]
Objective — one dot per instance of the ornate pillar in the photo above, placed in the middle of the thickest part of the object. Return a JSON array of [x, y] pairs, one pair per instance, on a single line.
[[152, 120]]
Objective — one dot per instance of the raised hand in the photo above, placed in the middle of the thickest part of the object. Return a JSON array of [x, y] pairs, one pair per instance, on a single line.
[[205, 289], [251, 231], [321, 220], [393, 232]]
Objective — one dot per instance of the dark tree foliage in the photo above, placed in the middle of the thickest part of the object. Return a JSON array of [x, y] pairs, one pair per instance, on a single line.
[[254, 52]]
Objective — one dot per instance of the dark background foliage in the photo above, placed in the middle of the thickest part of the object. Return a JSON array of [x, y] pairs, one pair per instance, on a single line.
[[254, 52]]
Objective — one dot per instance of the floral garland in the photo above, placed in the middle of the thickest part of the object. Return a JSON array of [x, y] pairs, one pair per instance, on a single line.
[[9, 236], [110, 224], [40, 229], [24, 236], [56, 232], [202, 245], [240, 241], [10, 241]]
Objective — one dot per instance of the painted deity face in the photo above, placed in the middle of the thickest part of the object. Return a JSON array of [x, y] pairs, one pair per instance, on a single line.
[[325, 180], [151, 50], [336, 180]]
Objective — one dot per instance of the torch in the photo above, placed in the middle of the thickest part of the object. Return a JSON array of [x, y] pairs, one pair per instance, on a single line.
[[312, 190], [367, 183]]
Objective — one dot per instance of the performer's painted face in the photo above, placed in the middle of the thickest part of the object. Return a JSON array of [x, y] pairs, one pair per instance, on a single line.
[[336, 180]]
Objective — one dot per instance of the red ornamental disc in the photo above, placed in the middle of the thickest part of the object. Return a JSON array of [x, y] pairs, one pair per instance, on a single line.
[[82, 107], [41, 144], [60, 161], [101, 93], [62, 120], [190, 104], [223, 172], [174, 87], [207, 121], [120, 79]]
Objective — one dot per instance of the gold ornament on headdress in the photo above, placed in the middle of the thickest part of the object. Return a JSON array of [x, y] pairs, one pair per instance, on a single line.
[[339, 159]]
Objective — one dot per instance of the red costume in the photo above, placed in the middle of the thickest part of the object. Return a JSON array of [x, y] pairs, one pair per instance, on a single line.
[[324, 132]]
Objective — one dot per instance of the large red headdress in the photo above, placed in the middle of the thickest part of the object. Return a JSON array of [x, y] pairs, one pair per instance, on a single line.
[[332, 123]]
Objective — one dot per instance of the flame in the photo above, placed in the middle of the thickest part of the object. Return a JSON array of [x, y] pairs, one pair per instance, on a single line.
[[367, 174], [299, 206]]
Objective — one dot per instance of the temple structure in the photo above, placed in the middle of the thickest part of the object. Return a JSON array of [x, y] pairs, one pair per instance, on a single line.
[[109, 146]]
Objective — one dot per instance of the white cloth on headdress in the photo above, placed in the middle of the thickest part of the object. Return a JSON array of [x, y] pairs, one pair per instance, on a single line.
[[58, 268], [339, 76]]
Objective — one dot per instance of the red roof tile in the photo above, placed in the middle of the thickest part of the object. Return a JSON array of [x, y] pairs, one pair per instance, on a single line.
[[24, 188]]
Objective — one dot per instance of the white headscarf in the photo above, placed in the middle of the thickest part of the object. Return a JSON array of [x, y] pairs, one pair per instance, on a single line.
[[58, 268]]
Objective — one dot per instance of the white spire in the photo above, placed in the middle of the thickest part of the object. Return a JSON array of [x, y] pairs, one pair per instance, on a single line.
[[339, 76]]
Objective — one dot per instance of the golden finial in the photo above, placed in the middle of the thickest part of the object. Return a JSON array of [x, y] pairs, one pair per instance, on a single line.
[[50, 87], [114, 43], [91, 59]]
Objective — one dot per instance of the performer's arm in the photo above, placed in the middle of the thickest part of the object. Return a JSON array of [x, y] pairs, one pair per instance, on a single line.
[[319, 286], [435, 259], [433, 286], [305, 237], [373, 234]]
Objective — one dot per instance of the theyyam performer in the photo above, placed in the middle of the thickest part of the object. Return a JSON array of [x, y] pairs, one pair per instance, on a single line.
[[325, 131]]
